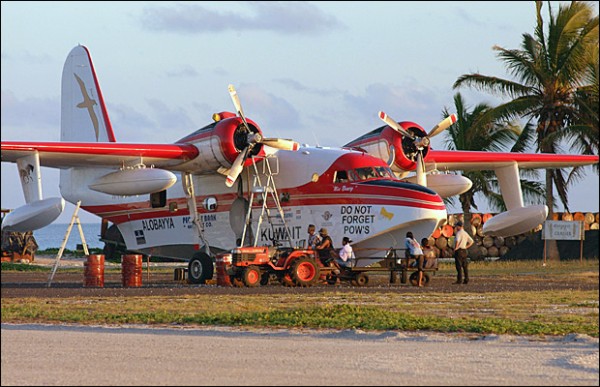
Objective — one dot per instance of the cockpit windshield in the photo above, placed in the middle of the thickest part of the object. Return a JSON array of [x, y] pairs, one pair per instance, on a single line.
[[364, 173]]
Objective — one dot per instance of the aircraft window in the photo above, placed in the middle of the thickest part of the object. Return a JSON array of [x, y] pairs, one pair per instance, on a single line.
[[384, 172], [341, 177], [366, 173], [353, 175]]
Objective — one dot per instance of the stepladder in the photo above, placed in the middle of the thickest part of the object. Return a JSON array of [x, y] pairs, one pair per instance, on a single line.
[[74, 219]]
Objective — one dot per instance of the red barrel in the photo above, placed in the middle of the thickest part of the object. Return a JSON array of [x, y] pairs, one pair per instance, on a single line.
[[93, 271], [223, 261], [131, 270]]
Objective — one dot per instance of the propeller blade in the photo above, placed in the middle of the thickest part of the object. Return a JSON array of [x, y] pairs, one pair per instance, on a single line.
[[236, 168], [394, 125], [238, 105], [421, 175], [281, 143], [442, 125]]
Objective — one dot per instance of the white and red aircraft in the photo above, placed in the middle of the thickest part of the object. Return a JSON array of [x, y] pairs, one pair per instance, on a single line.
[[361, 190]]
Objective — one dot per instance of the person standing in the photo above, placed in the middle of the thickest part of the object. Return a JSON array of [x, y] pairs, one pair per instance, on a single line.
[[462, 242], [313, 238], [415, 251]]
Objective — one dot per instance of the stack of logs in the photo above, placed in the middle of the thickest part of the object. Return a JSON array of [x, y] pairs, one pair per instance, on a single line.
[[442, 239]]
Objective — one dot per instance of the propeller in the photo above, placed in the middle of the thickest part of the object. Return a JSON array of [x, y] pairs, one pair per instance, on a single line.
[[252, 140], [419, 142]]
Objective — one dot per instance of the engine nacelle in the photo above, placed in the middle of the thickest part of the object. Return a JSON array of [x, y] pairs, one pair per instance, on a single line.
[[399, 152], [220, 142], [445, 185]]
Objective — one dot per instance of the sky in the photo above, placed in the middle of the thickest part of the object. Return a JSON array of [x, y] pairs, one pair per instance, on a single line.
[[316, 72]]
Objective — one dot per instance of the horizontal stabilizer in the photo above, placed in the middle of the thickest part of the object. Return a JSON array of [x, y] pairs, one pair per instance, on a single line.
[[34, 215]]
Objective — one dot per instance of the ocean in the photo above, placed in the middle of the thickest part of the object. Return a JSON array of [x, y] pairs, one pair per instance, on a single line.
[[52, 236]]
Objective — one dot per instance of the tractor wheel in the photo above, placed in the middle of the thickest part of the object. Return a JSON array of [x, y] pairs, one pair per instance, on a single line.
[[264, 279], [286, 279], [200, 268], [236, 281], [305, 271], [251, 276], [414, 279], [332, 279], [361, 279]]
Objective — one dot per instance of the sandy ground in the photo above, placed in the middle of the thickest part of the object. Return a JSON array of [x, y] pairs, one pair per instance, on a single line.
[[76, 355], [141, 355]]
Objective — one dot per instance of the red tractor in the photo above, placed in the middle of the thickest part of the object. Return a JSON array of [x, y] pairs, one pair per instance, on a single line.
[[254, 266]]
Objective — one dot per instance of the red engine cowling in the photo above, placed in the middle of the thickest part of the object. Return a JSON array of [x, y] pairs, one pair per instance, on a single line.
[[398, 151], [220, 142]]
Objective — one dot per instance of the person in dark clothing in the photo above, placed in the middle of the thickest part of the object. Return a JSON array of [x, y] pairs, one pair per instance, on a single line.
[[325, 248]]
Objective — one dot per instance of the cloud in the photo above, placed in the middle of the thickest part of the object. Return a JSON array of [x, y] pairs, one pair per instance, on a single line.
[[281, 17], [275, 115], [40, 117], [408, 102], [297, 86], [186, 71]]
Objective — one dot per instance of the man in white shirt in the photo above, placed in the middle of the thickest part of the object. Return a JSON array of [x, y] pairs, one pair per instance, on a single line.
[[346, 253], [462, 242]]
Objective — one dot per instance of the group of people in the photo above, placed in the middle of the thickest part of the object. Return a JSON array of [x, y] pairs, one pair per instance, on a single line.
[[462, 243], [323, 245]]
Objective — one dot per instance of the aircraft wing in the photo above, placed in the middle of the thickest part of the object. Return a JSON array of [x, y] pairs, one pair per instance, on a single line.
[[473, 160], [98, 154]]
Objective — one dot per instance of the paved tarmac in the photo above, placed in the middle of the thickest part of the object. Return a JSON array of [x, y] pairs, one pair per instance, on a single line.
[[139, 355]]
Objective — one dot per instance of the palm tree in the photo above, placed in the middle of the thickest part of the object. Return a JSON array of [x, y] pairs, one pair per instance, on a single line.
[[550, 69], [479, 130], [583, 132]]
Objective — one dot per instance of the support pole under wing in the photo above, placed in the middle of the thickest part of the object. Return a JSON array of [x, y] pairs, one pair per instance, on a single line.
[[510, 185], [31, 177], [188, 188]]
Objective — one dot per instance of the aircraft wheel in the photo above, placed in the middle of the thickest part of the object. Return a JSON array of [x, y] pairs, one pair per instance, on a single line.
[[414, 278], [200, 268], [251, 276], [304, 271]]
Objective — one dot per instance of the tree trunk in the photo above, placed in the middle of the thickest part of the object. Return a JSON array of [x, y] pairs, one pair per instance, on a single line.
[[552, 253]]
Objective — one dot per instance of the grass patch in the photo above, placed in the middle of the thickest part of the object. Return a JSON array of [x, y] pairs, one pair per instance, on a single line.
[[10, 266], [540, 312], [518, 313]]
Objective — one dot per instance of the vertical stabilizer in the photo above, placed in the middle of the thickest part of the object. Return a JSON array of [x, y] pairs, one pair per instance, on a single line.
[[84, 116]]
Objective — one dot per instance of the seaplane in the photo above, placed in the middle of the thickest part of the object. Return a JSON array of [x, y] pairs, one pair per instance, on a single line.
[[238, 187]]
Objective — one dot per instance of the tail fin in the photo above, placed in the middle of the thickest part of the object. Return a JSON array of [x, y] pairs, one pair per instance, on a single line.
[[83, 113]]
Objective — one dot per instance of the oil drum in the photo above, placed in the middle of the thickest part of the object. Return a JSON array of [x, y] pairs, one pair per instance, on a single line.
[[93, 271], [222, 261], [131, 270]]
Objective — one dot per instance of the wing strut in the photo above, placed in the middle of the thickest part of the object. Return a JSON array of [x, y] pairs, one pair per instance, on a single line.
[[188, 188]]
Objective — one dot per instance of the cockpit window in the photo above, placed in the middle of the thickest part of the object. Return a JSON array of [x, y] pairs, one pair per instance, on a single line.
[[341, 177], [385, 172], [366, 173]]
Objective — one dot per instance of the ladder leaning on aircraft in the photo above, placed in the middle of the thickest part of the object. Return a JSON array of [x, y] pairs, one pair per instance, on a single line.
[[373, 189]]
